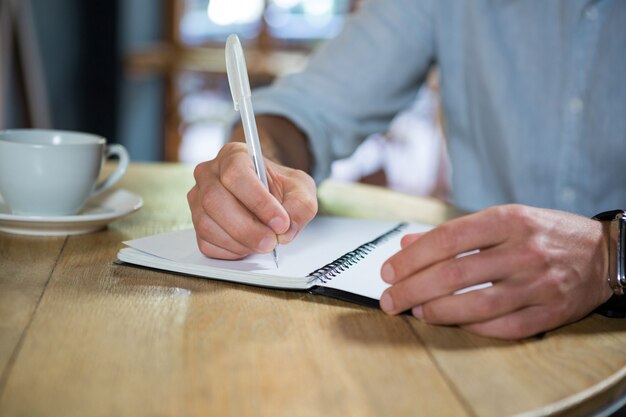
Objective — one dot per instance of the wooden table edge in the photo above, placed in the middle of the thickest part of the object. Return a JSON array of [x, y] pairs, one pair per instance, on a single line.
[[591, 400]]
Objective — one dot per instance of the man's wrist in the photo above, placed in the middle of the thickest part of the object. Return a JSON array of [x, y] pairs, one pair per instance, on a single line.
[[614, 227], [281, 141]]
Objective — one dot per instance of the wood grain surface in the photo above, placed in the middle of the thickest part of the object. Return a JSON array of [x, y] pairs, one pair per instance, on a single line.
[[83, 336]]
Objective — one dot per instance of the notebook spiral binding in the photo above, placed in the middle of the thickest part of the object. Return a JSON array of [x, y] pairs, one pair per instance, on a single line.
[[336, 267]]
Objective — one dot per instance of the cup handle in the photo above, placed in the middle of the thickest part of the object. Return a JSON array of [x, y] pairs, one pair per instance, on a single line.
[[122, 166]]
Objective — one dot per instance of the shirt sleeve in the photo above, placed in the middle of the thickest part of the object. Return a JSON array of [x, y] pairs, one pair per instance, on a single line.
[[355, 83]]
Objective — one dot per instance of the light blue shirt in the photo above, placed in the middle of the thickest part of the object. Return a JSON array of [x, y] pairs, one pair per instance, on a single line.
[[534, 94]]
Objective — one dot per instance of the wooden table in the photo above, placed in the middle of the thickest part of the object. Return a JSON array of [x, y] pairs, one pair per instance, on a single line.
[[82, 336]]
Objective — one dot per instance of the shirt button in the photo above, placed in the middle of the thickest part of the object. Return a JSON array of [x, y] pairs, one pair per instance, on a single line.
[[591, 13], [568, 195], [576, 105]]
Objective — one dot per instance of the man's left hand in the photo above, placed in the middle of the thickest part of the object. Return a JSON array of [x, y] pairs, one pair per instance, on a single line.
[[547, 267]]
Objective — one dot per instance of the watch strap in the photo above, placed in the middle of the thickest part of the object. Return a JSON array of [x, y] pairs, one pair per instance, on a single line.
[[616, 305], [607, 216]]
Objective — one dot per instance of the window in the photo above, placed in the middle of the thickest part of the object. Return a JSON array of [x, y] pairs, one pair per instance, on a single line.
[[276, 32]]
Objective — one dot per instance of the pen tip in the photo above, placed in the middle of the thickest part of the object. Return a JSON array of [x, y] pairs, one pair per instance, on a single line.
[[275, 258]]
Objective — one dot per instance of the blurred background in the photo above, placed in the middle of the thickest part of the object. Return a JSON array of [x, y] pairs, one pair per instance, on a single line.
[[150, 74]]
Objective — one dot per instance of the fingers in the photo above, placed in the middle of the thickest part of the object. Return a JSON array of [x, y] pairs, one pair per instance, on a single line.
[[525, 322], [221, 220], [410, 238], [475, 306], [476, 231], [446, 277], [213, 251], [208, 231], [237, 175], [224, 216], [227, 228], [506, 310]]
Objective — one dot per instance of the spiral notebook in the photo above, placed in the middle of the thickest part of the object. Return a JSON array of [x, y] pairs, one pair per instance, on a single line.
[[333, 256]]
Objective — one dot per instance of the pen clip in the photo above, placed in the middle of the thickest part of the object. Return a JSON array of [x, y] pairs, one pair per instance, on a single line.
[[237, 71]]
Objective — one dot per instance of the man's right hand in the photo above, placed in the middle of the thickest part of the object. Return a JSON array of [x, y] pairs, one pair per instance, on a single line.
[[235, 216]]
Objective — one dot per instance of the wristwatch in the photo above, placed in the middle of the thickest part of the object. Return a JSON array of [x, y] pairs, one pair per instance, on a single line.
[[616, 226]]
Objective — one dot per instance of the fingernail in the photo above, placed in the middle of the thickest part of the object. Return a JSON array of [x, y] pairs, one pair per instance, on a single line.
[[386, 302], [418, 312], [267, 244], [388, 273], [289, 235], [276, 224]]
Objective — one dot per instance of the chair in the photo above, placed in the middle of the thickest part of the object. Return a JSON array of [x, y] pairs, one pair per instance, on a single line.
[[19, 51]]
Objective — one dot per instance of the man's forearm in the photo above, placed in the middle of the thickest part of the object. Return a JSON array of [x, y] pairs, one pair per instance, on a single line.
[[281, 141]]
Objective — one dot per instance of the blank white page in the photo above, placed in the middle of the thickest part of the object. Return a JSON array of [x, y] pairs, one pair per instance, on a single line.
[[364, 278]]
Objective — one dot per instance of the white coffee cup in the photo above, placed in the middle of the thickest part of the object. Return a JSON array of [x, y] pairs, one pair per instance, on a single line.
[[54, 172]]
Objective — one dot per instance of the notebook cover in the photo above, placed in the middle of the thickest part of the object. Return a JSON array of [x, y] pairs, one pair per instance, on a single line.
[[345, 296]]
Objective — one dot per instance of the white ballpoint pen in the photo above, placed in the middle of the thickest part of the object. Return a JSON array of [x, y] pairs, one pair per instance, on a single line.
[[242, 99]]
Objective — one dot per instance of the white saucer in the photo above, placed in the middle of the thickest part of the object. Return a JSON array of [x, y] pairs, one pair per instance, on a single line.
[[97, 213]]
